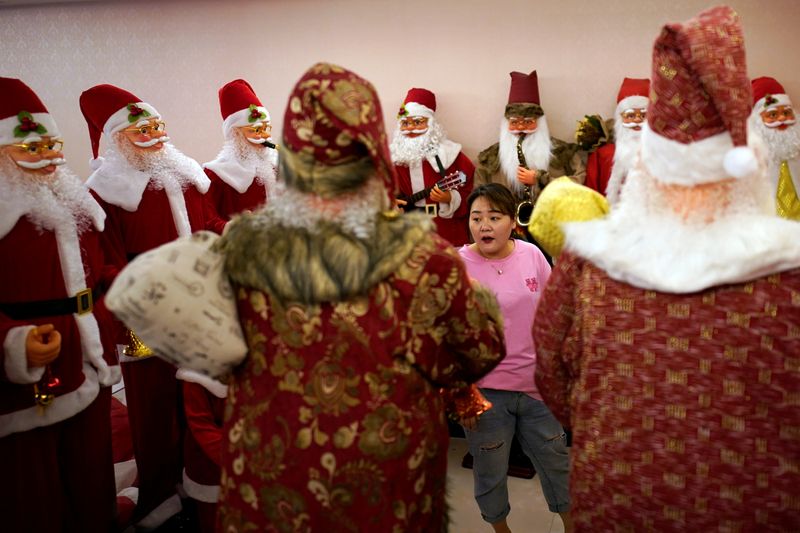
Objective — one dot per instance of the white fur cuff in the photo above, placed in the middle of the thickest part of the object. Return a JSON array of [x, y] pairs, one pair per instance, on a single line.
[[16, 361], [448, 210]]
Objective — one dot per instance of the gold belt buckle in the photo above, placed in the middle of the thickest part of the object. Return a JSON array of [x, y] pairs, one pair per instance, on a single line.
[[85, 303], [430, 209]]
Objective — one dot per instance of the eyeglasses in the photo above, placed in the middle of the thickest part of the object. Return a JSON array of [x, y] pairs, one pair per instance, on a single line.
[[632, 114], [416, 122], [522, 122], [259, 128], [781, 112], [148, 129], [39, 148]]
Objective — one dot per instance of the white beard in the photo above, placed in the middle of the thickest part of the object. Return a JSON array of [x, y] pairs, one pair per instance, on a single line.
[[782, 145], [536, 146], [626, 148], [257, 160], [57, 201], [167, 168], [407, 151]]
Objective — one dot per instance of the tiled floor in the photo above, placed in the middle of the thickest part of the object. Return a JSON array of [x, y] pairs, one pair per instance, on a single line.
[[529, 512]]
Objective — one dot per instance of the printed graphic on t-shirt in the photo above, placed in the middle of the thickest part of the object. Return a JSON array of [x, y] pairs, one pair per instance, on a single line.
[[532, 284]]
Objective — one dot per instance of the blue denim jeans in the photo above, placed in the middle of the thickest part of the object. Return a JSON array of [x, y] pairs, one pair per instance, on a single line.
[[542, 439]]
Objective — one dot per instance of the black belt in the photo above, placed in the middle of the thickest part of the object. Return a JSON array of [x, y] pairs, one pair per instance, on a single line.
[[81, 303]]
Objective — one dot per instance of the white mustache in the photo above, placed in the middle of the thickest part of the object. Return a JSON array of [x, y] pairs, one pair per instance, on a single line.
[[410, 132], [779, 124], [41, 163], [258, 141], [151, 142], [520, 132], [632, 124]]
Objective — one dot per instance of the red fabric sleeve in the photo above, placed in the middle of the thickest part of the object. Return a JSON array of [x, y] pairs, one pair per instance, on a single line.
[[199, 409]]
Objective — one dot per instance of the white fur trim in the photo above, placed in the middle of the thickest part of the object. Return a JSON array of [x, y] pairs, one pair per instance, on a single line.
[[125, 193], [63, 407], [220, 390], [782, 99], [132, 493], [124, 477], [418, 110], [677, 163], [16, 359], [177, 205], [665, 254], [447, 151], [417, 179], [8, 124], [740, 162], [169, 507], [240, 119], [632, 102], [119, 120], [239, 177], [201, 493]]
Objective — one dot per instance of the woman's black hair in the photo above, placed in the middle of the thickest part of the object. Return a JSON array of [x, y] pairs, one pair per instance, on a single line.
[[498, 195]]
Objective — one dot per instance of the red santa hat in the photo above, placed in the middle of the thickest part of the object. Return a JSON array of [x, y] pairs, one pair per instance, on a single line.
[[418, 103], [109, 109], [768, 93], [240, 106], [697, 118], [523, 96], [23, 117], [634, 93]]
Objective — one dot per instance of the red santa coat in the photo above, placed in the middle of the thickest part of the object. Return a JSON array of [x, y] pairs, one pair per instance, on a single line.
[[228, 201], [451, 219], [683, 407], [141, 217], [598, 168], [45, 452]]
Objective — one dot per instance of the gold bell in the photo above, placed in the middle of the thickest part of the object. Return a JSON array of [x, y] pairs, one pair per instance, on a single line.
[[135, 347]]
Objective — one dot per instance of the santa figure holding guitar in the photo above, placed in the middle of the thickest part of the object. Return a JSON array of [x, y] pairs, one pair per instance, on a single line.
[[433, 174]]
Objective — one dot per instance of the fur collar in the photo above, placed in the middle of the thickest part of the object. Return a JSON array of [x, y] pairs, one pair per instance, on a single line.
[[447, 152], [297, 265], [15, 206], [231, 171]]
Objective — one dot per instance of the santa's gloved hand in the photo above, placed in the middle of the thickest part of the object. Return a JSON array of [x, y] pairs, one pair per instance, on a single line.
[[527, 176], [42, 345]]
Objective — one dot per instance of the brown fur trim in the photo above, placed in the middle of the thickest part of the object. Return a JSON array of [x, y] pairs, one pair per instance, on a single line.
[[523, 110], [488, 164], [303, 172], [296, 265]]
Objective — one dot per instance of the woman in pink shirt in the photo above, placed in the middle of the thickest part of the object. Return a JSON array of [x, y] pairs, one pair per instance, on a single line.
[[516, 272]]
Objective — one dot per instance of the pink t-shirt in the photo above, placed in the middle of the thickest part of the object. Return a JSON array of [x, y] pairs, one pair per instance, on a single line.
[[517, 281]]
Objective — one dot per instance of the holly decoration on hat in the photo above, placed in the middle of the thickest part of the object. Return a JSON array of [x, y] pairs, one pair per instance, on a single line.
[[27, 125], [770, 100], [135, 113], [403, 111], [255, 114]]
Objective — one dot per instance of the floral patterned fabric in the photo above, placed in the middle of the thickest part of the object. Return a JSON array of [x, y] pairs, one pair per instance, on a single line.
[[683, 407], [334, 421]]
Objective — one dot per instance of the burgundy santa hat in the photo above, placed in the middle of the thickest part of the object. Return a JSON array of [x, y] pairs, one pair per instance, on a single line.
[[634, 93], [523, 96], [696, 128], [109, 109], [768, 93], [23, 116], [418, 103], [240, 106]]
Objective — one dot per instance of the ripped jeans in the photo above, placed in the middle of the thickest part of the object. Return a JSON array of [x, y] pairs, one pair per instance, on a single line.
[[542, 439]]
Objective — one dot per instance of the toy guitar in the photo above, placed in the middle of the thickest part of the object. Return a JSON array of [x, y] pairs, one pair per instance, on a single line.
[[450, 182]]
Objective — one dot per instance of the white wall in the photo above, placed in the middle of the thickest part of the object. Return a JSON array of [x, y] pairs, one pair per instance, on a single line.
[[176, 54]]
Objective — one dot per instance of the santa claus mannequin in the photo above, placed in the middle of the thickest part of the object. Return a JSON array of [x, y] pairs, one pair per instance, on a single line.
[[607, 166], [204, 406], [667, 334], [58, 360], [773, 120], [243, 174], [152, 194], [526, 158], [423, 155]]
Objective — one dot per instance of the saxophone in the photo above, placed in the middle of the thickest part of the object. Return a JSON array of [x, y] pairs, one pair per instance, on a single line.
[[525, 207]]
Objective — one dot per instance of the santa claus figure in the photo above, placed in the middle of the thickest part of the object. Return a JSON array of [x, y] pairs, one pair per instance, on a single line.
[[425, 159], [667, 335], [607, 166], [243, 173], [58, 360], [527, 158], [773, 120], [152, 194]]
